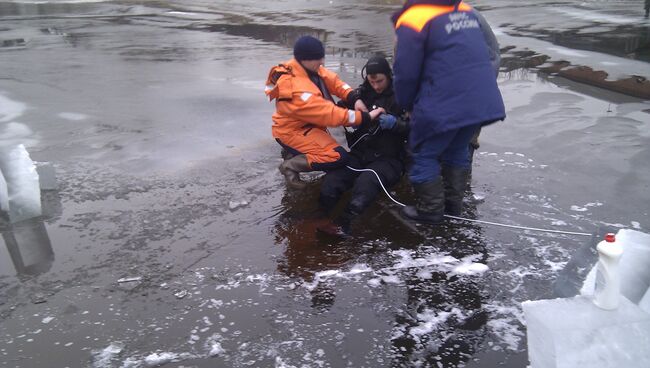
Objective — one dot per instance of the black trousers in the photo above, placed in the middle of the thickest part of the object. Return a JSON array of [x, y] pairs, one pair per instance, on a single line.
[[364, 185]]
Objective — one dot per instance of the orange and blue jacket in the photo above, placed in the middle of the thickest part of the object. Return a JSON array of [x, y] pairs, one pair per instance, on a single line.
[[300, 104]]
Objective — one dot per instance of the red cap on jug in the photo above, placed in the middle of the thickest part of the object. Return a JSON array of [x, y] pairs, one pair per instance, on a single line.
[[610, 237]]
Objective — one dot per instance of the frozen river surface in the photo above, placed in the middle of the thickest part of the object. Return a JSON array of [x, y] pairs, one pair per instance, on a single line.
[[154, 116]]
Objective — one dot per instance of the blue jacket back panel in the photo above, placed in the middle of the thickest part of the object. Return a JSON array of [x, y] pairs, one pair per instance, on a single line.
[[442, 68]]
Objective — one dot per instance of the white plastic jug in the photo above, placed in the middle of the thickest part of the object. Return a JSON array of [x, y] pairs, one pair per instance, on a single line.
[[608, 284]]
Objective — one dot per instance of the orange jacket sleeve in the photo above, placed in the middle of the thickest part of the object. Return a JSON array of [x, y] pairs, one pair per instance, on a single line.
[[314, 109]]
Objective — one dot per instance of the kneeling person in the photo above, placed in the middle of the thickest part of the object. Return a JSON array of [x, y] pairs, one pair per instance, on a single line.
[[303, 90]]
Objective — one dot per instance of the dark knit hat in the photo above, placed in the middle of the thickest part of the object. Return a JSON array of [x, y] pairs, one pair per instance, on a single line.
[[377, 64], [308, 48]]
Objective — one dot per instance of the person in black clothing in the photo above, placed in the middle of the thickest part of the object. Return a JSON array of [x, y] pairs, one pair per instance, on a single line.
[[647, 8], [379, 146]]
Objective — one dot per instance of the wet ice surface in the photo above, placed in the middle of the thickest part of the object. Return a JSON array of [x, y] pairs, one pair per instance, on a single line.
[[172, 240]]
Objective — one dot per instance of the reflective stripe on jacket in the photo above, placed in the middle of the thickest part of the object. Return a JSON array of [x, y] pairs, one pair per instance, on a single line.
[[442, 69], [300, 104]]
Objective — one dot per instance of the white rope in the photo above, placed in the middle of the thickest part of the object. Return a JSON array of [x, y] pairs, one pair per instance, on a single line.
[[362, 137], [519, 227], [357, 141], [380, 183], [471, 220]]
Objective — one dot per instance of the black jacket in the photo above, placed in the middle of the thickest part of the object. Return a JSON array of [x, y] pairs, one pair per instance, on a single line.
[[369, 142]]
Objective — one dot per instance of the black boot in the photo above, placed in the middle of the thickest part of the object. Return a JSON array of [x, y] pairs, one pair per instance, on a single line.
[[430, 205], [291, 169], [455, 182]]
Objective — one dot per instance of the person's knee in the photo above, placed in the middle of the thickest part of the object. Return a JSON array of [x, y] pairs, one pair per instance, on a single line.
[[422, 172], [367, 180], [341, 158], [331, 188], [458, 158], [358, 203]]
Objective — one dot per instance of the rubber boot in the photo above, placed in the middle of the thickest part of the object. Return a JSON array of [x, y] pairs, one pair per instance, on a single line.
[[292, 168], [455, 183], [430, 205]]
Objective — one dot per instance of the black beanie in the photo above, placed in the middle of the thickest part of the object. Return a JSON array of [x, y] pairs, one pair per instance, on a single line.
[[376, 65], [308, 48]]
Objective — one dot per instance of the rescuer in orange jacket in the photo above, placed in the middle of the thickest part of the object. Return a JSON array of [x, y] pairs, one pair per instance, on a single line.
[[302, 89]]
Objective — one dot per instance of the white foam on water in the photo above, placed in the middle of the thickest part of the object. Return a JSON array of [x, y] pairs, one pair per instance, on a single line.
[[103, 358], [73, 116], [470, 268], [279, 363], [430, 320], [555, 266], [14, 131], [360, 268], [504, 324], [391, 279], [376, 282], [10, 109], [47, 320], [405, 260], [216, 349], [161, 358]]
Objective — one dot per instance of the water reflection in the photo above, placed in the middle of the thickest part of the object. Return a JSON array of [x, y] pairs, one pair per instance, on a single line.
[[286, 35], [28, 242], [629, 41], [307, 252], [29, 246], [443, 320], [281, 34], [45, 8]]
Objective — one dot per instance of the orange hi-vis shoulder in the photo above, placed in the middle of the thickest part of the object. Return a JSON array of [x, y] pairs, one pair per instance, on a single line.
[[299, 102], [417, 16], [302, 113]]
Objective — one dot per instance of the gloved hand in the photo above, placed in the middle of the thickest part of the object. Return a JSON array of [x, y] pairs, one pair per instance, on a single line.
[[387, 121]]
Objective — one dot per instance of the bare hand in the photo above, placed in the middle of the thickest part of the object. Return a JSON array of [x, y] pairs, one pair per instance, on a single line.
[[360, 106], [374, 114]]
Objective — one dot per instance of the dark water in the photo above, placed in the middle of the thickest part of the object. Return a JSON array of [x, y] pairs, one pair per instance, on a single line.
[[154, 116]]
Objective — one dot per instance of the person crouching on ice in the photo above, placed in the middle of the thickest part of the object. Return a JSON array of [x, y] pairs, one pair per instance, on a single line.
[[378, 146], [302, 89]]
